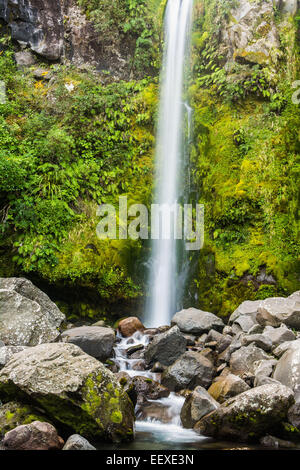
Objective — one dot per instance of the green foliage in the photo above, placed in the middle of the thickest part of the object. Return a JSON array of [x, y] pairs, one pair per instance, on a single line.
[[62, 153], [126, 20]]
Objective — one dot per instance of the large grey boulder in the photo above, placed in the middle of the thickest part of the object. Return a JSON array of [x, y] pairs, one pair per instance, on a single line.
[[74, 389], [77, 442], [279, 335], [287, 370], [194, 321], [190, 370], [250, 415], [283, 347], [261, 341], [166, 347], [226, 387], [242, 361], [198, 404], [244, 317], [263, 369], [27, 316], [94, 340], [277, 310]]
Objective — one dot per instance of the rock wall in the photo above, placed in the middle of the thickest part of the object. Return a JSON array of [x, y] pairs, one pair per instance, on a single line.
[[58, 30]]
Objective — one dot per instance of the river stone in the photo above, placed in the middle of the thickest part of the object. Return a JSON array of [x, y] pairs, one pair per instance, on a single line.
[[277, 310], [77, 442], [287, 370], [194, 321], [190, 370], [223, 341], [74, 389], [197, 404], [34, 436], [242, 361], [282, 348], [94, 340], [279, 335], [129, 326], [261, 341], [263, 369], [27, 316], [148, 389], [246, 309], [14, 414], [274, 442], [294, 415], [226, 387], [165, 347], [250, 415], [6, 353]]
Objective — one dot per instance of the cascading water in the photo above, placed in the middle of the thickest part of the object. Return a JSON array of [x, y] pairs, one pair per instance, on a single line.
[[178, 20], [168, 429]]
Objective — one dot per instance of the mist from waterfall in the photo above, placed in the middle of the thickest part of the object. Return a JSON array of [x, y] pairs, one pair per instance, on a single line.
[[162, 283]]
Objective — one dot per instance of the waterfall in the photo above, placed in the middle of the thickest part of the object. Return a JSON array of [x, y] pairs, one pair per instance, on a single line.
[[162, 284]]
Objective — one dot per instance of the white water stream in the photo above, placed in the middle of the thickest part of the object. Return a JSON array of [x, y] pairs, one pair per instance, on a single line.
[[172, 431]]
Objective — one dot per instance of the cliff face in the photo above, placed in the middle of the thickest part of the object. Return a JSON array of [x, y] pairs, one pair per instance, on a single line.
[[59, 30]]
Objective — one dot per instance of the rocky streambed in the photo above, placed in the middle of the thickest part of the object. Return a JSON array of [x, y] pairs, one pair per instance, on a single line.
[[194, 384]]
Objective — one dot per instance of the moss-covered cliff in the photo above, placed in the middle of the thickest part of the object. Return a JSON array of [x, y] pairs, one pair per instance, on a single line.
[[74, 137]]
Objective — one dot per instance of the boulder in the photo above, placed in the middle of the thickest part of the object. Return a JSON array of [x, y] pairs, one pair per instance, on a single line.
[[190, 370], [96, 341], [34, 436], [197, 404], [261, 341], [165, 347], [155, 411], [74, 389], [24, 58], [287, 370], [129, 326], [279, 335], [283, 347], [242, 361], [227, 387], [250, 415], [276, 443], [223, 341], [193, 321], [263, 369], [294, 415], [6, 353], [277, 310], [248, 311], [14, 414], [148, 389], [27, 316], [77, 442]]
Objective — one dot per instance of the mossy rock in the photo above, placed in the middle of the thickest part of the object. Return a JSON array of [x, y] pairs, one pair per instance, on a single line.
[[14, 414], [75, 390]]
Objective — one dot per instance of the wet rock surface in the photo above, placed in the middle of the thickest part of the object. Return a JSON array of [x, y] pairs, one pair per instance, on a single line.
[[194, 321], [94, 340], [249, 415]]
